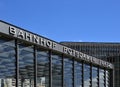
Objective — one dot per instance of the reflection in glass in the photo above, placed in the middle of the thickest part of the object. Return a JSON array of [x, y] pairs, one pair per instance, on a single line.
[[26, 66], [94, 77], [7, 63], [86, 75], [68, 73], [107, 78], [56, 71], [42, 68], [78, 74], [101, 78]]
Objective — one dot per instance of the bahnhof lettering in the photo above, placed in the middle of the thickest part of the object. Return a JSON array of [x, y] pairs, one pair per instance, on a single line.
[[31, 60]]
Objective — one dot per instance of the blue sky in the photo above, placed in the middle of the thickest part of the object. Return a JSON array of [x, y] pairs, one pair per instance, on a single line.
[[66, 20]]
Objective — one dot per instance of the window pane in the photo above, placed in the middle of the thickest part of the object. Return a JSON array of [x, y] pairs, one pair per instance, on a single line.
[[94, 77], [42, 68], [101, 78], [7, 63], [68, 73], [56, 71], [26, 66], [107, 78], [86, 75], [78, 74]]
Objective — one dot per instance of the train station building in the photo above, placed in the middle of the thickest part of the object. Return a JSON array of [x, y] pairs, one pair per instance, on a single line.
[[30, 60]]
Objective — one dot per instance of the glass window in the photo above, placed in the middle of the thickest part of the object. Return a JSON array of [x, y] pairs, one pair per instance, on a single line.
[[78, 74], [94, 77], [101, 78], [86, 75], [7, 63], [56, 71], [68, 72], [42, 68], [107, 78], [26, 66]]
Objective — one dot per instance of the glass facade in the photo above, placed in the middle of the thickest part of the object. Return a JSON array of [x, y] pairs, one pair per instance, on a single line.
[[102, 78], [68, 72], [95, 77], [78, 74], [107, 78], [56, 70], [87, 75], [26, 64], [7, 63], [51, 68], [106, 51], [43, 68]]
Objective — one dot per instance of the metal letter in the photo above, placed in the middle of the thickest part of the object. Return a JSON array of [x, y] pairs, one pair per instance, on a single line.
[[12, 30], [35, 39], [49, 43], [28, 36], [65, 49], [42, 41], [21, 34]]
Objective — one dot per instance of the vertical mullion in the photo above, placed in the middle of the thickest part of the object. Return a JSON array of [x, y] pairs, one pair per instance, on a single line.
[[98, 77], [111, 78], [62, 70], [35, 66], [17, 62], [50, 68], [104, 78]]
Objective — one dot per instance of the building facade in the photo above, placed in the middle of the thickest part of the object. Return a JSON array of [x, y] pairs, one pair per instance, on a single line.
[[30, 60], [106, 51]]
